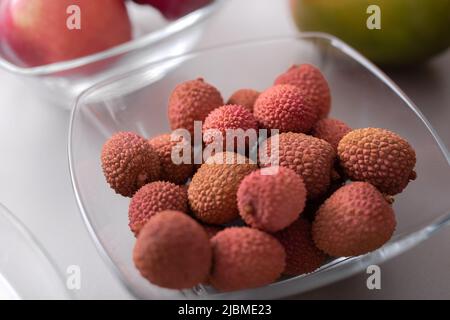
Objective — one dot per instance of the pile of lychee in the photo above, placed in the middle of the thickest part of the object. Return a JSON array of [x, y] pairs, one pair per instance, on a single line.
[[242, 223]]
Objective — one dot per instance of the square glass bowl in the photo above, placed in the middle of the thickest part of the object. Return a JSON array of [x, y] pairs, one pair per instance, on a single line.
[[362, 96], [153, 38]]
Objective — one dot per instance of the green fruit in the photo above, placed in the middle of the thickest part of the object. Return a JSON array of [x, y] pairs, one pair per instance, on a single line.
[[411, 30]]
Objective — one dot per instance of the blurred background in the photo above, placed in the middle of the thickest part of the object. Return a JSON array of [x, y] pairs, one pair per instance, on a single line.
[[411, 47]]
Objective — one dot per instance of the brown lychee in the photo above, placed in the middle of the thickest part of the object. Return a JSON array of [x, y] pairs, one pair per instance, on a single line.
[[355, 220], [173, 251], [270, 199], [310, 157], [192, 101], [312, 82], [378, 156], [212, 191], [331, 130], [164, 146], [245, 98], [286, 108], [245, 258], [302, 255], [129, 162], [153, 198], [232, 126]]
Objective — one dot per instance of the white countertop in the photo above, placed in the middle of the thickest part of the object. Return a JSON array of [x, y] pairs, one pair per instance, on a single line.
[[35, 182]]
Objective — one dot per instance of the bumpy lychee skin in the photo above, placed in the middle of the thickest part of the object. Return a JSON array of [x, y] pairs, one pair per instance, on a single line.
[[173, 251], [192, 101], [245, 98], [311, 81], [378, 156], [245, 258], [129, 162], [229, 118], [270, 199], [286, 108], [355, 220], [170, 171], [153, 198], [309, 157], [302, 255], [212, 191], [330, 130]]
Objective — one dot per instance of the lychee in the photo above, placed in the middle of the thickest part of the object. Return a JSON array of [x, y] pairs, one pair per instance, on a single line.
[[312, 82], [233, 125], [302, 255], [378, 156], [170, 171], [245, 258], [330, 130], [355, 220], [245, 98], [286, 108], [270, 199], [129, 162], [173, 251], [153, 198], [212, 191], [192, 101], [309, 157]]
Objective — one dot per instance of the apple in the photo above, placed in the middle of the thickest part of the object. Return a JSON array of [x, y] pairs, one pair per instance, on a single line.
[[411, 31], [40, 32], [174, 9]]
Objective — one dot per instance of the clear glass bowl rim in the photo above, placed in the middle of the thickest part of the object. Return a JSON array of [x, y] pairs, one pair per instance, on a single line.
[[147, 40], [346, 266]]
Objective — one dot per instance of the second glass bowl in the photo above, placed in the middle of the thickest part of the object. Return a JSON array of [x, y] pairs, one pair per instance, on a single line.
[[362, 97], [154, 38], [26, 270]]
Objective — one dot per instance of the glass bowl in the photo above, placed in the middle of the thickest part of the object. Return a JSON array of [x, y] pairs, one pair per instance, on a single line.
[[26, 270], [153, 38], [362, 96]]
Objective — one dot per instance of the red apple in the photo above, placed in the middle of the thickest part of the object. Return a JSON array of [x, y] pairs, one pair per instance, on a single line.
[[40, 32], [174, 9]]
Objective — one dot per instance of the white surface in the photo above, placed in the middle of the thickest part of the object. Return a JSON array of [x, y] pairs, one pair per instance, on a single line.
[[35, 183]]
